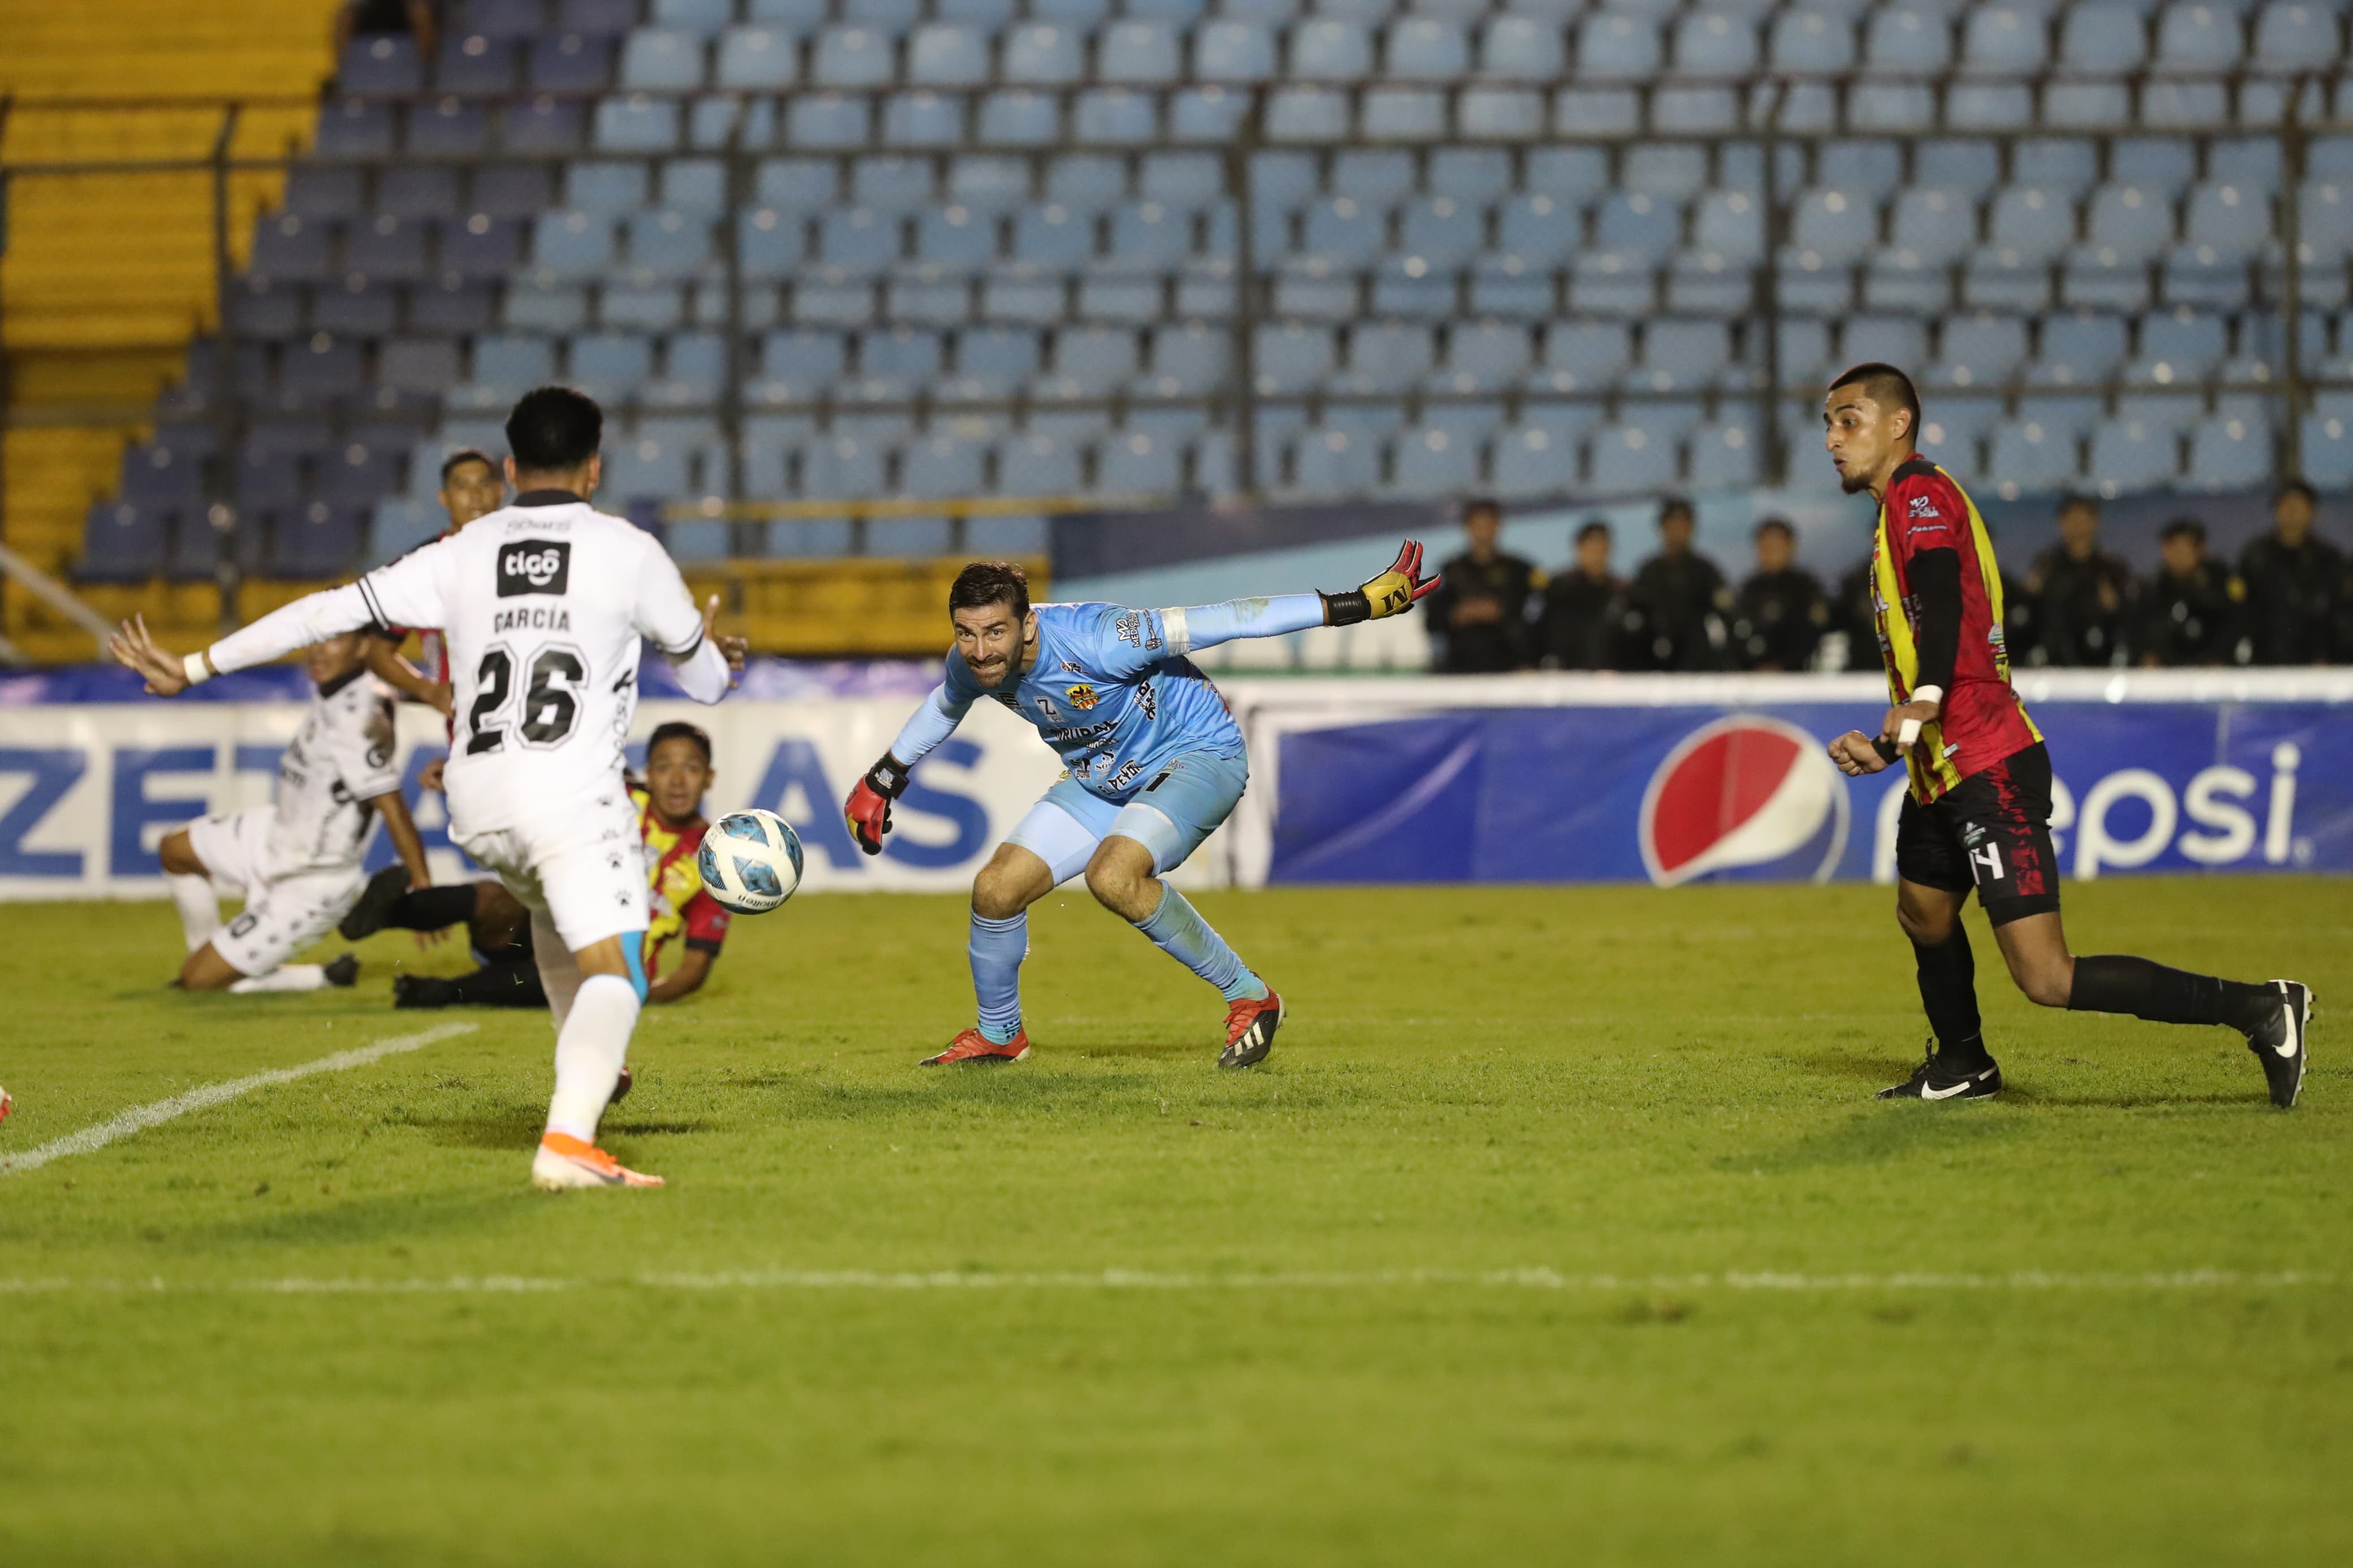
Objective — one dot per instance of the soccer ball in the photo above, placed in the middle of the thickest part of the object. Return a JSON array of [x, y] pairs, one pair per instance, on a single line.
[[751, 861]]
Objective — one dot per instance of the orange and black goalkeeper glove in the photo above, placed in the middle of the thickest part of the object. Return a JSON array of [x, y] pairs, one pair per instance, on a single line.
[[868, 811], [1393, 592]]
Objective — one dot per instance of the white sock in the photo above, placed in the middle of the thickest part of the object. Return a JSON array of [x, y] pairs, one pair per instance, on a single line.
[[559, 972], [285, 977], [199, 909], [589, 1052]]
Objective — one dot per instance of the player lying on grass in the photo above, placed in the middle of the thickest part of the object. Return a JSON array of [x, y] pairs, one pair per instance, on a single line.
[[547, 603], [1155, 762], [669, 802], [297, 860], [1977, 813]]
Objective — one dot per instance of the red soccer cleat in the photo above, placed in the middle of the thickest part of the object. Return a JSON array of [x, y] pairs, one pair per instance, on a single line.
[[972, 1045], [1250, 1024]]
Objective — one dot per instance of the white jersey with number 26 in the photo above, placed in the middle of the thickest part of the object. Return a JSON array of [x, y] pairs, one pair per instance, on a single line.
[[543, 608]]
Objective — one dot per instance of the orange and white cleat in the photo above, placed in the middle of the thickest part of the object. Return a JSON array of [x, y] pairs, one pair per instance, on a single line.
[[972, 1045], [6, 1105], [1250, 1024], [563, 1160]]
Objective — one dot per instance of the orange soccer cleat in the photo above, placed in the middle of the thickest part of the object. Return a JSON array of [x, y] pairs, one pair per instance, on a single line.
[[972, 1045], [563, 1160], [1250, 1024]]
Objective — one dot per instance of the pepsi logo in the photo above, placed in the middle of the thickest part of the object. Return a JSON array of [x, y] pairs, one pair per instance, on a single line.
[[1746, 799]]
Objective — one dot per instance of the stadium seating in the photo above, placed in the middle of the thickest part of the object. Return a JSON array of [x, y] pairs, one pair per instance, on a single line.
[[973, 246]]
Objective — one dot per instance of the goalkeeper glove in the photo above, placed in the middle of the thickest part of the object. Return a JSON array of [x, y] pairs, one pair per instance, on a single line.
[[868, 811], [1393, 592]]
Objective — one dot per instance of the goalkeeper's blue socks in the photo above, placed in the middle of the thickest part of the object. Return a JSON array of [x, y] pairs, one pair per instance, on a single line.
[[998, 949], [1178, 931]]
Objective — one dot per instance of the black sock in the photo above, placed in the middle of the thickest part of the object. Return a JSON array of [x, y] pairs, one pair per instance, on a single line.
[[432, 908], [1949, 990], [500, 986], [2116, 983]]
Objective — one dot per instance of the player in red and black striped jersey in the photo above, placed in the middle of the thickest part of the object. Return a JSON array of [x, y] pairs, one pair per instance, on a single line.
[[1977, 813]]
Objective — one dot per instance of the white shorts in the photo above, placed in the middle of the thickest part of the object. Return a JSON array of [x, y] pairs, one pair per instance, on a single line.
[[580, 864], [283, 915]]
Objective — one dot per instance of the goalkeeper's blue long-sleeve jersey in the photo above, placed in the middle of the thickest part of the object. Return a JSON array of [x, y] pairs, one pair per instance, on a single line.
[[1111, 687]]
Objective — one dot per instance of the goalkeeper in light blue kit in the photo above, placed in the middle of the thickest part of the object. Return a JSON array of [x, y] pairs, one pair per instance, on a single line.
[[1155, 758]]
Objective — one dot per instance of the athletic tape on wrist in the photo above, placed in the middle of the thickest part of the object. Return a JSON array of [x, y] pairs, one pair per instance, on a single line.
[[195, 668]]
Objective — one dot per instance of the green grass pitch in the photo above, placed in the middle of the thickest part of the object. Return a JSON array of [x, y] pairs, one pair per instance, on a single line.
[[1469, 1273]]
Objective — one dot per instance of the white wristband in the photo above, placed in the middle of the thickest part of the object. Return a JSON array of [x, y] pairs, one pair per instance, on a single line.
[[1932, 695], [195, 669]]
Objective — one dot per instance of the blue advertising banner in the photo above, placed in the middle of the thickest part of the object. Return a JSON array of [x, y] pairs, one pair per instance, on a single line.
[[1530, 780]]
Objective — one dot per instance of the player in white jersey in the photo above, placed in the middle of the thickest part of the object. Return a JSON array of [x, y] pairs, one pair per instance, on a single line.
[[296, 861], [544, 603]]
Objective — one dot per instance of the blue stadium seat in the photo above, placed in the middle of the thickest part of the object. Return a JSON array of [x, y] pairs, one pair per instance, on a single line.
[[851, 57], [798, 17], [1018, 118], [481, 248], [2037, 224], [1500, 111], [1614, 46], [1329, 462], [2229, 452], [1484, 356], [610, 365], [1150, 235], [1088, 182], [1838, 226], [448, 128], [1340, 230], [1042, 54], [1387, 357], [1235, 51], [1807, 42], [2029, 457], [2103, 36], [1435, 462], [1050, 237], [2000, 40], [798, 366], [1523, 50], [1292, 357], [989, 183], [606, 186], [607, 17], [1731, 224], [2135, 221], [2197, 38], [1583, 356], [666, 247], [1629, 459], [1638, 225], [1439, 233], [2079, 350], [1112, 115], [948, 55], [381, 63], [993, 362], [568, 62], [1135, 463], [292, 248], [1039, 465], [571, 243], [1532, 460], [942, 467], [538, 126], [757, 57], [1677, 171], [2328, 448], [316, 192], [1980, 350], [1090, 361], [954, 242], [892, 185], [1890, 340], [2291, 35], [1682, 355], [770, 244], [1724, 455], [636, 124], [1711, 44], [2177, 346], [358, 474], [315, 540], [1906, 40], [1139, 52], [854, 242], [417, 191], [1970, 167], [1427, 49], [701, 17], [1328, 50], [694, 367], [2127, 455], [656, 59], [473, 63], [1187, 360]]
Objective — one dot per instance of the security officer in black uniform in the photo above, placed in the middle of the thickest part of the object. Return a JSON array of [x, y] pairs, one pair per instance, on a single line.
[[2297, 600], [1780, 613], [1588, 616], [2080, 591], [2184, 613], [1482, 610], [1684, 597]]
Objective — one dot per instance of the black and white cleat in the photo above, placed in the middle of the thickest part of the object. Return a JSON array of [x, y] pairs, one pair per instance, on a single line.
[[1932, 1080], [2278, 1041]]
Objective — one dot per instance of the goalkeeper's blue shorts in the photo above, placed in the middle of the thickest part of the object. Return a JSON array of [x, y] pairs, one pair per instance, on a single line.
[[1181, 805]]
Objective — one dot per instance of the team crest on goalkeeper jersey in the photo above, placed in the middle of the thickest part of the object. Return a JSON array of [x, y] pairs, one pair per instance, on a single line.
[[1081, 697]]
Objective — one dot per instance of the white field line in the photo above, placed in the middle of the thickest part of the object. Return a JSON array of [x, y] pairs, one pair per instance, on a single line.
[[1146, 1282], [139, 1118]]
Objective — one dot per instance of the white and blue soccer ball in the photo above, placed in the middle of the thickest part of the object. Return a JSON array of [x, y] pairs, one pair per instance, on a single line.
[[751, 861]]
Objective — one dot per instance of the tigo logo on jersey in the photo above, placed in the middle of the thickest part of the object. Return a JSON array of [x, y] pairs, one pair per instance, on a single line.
[[535, 568], [1081, 697], [1744, 798]]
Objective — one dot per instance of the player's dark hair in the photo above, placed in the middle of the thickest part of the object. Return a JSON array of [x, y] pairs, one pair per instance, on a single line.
[[1887, 386], [2182, 525], [554, 428], [985, 583], [1478, 504], [2297, 487], [460, 457], [2074, 498], [1776, 525], [1676, 506], [1593, 525], [679, 730]]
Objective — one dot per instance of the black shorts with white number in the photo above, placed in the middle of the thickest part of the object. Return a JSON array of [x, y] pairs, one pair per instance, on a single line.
[[1990, 832]]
